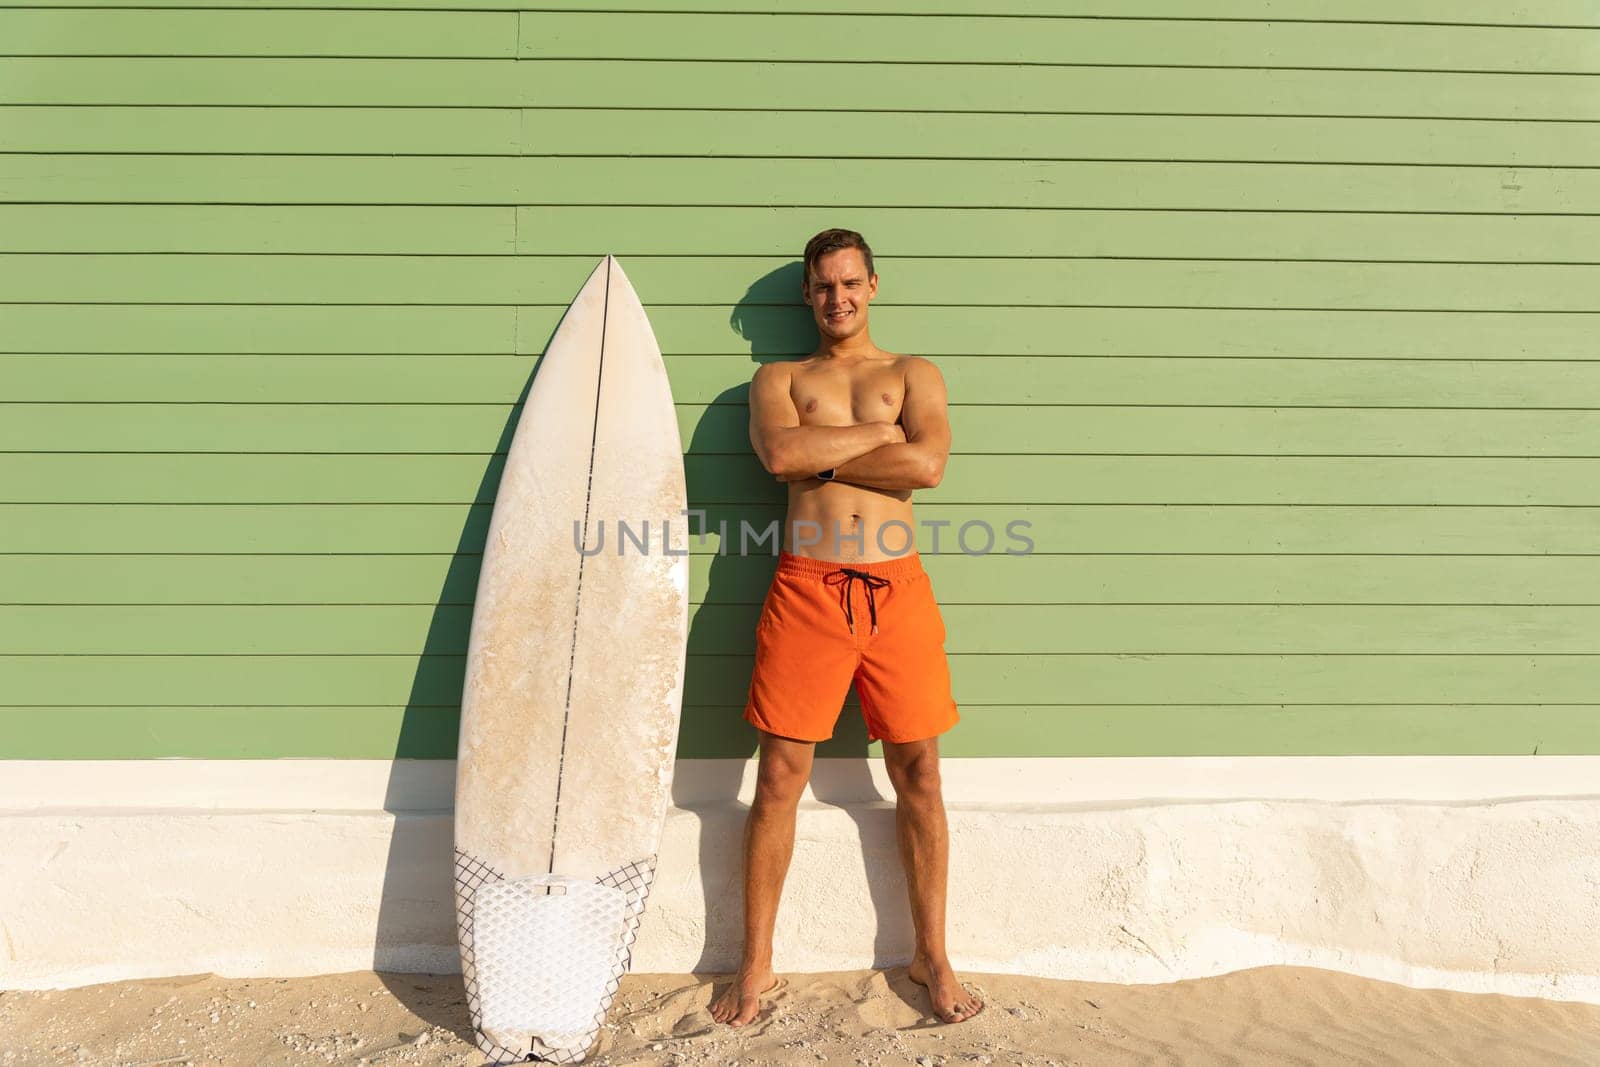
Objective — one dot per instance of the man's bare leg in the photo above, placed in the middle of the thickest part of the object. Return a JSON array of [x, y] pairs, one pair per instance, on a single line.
[[784, 768], [925, 851]]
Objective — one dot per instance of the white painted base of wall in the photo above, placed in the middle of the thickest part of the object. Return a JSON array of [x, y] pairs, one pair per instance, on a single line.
[[1469, 873]]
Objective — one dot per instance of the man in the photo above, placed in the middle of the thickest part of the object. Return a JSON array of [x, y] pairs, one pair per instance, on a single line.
[[853, 430]]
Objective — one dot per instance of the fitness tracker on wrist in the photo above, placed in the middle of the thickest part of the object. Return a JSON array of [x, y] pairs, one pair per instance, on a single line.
[[826, 476]]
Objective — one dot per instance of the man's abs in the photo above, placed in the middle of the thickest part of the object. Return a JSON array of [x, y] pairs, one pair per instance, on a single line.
[[836, 521]]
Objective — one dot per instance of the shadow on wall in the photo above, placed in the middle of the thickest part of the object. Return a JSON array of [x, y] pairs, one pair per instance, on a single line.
[[416, 921], [416, 911]]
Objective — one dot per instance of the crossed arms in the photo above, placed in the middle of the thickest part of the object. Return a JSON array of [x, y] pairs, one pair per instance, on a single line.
[[910, 454]]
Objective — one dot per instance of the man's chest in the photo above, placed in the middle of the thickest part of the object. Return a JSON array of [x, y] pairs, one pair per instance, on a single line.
[[835, 398]]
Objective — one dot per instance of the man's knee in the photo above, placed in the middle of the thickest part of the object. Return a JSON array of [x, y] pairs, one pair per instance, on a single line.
[[778, 792], [915, 775], [780, 781]]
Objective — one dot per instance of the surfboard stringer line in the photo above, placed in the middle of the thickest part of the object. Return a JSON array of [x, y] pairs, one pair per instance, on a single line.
[[577, 604]]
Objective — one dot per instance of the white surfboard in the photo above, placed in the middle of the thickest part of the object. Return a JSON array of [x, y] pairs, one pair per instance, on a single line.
[[574, 684]]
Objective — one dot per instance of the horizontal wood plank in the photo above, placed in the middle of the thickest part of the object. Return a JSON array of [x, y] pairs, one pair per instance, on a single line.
[[491, 131], [1085, 382], [723, 681], [757, 333], [844, 87], [1066, 529], [1445, 12], [972, 281], [389, 732], [161, 31], [864, 38], [449, 579], [1044, 233], [794, 37], [195, 130], [1149, 90], [468, 180], [268, 229], [724, 429], [1333, 630], [190, 478]]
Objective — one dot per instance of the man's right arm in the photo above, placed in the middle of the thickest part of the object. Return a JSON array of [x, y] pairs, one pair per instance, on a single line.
[[788, 449]]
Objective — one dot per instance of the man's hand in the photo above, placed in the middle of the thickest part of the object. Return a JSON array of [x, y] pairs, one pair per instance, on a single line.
[[897, 436]]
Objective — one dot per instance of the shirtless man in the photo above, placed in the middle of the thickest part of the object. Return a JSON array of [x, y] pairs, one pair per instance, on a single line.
[[853, 430]]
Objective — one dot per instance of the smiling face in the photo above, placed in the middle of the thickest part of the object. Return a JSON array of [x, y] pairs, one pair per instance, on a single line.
[[839, 290]]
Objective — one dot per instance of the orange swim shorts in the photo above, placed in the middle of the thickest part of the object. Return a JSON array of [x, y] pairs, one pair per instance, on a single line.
[[826, 624]]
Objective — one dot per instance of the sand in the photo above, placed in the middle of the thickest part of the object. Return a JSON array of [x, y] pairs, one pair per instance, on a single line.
[[1274, 1015]]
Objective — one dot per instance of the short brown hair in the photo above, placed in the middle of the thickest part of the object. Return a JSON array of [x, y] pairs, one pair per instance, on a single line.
[[834, 241]]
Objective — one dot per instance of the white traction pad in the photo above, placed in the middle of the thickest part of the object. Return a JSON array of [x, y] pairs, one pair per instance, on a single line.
[[545, 947], [549, 954]]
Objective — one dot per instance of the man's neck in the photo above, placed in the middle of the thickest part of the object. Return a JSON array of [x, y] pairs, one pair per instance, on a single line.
[[858, 346]]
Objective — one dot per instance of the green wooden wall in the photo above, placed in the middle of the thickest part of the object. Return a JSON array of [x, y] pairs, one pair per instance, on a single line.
[[1276, 319]]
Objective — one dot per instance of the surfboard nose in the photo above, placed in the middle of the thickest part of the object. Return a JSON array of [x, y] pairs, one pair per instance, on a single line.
[[612, 268]]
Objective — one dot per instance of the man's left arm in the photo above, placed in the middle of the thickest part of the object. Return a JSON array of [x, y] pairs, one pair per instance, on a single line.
[[920, 462]]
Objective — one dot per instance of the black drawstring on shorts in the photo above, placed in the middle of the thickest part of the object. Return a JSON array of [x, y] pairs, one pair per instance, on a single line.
[[845, 576]]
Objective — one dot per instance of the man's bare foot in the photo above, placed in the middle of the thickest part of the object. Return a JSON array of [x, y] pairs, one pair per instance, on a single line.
[[951, 1001], [740, 1003]]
